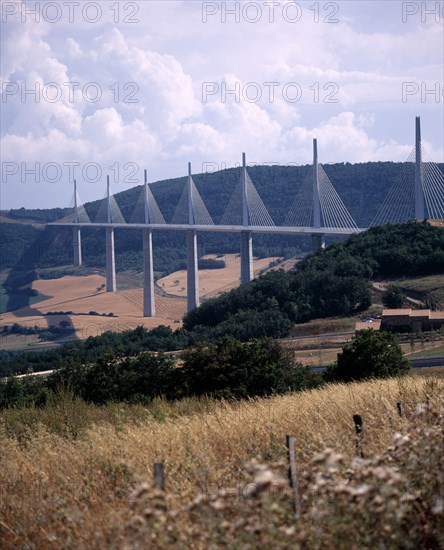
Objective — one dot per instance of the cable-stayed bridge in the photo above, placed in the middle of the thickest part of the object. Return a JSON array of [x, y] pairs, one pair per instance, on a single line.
[[317, 211]]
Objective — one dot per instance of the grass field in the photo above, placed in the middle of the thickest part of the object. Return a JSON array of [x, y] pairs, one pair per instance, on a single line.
[[436, 350], [332, 325], [78, 476], [322, 349]]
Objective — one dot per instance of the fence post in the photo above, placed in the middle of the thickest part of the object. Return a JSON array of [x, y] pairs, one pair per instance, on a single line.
[[400, 408], [292, 475], [357, 419], [159, 476]]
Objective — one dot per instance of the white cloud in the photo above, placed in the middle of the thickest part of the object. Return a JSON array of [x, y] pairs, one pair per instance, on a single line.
[[361, 62]]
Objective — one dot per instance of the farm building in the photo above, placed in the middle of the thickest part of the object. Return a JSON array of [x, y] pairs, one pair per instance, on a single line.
[[406, 320]]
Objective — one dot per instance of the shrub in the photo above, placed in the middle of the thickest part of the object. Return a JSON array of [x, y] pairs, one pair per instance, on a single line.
[[372, 354], [393, 297], [236, 369]]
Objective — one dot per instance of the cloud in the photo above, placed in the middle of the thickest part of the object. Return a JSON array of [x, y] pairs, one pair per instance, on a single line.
[[149, 75]]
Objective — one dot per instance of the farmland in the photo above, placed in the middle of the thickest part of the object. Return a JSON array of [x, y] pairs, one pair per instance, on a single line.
[[86, 307]]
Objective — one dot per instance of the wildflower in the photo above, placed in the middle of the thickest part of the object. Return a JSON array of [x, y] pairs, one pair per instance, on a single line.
[[328, 458], [438, 507], [399, 439]]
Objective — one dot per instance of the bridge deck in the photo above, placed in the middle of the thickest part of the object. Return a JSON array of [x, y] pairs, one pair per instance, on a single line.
[[338, 231]]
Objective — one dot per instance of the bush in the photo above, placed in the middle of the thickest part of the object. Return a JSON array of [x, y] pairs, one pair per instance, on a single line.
[[135, 380], [372, 354], [393, 297], [234, 369], [211, 263]]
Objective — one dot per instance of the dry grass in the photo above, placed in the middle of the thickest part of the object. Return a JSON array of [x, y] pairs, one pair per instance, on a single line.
[[68, 470], [212, 282], [80, 295], [318, 327]]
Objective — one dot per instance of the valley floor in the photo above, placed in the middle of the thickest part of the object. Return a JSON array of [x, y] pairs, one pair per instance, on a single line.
[[81, 295]]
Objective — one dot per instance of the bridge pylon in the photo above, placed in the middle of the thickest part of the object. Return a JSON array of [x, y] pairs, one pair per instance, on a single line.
[[149, 307], [317, 240], [109, 251], [419, 179]]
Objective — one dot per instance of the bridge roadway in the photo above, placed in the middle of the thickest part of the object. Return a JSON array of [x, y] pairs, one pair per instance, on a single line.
[[280, 230]]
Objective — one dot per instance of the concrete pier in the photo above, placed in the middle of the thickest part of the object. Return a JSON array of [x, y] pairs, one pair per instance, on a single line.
[[76, 236], [77, 246], [192, 259], [246, 257], [246, 242], [192, 271], [110, 261], [317, 243], [149, 308], [110, 256]]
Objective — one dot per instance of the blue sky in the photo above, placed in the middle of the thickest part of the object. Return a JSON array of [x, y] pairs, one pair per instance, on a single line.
[[123, 86]]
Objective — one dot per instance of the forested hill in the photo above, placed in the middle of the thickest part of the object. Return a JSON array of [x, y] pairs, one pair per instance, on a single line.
[[333, 282], [362, 188]]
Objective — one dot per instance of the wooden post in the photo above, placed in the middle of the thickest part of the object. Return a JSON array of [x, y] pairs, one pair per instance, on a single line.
[[159, 476], [292, 475], [400, 408], [428, 408], [357, 419]]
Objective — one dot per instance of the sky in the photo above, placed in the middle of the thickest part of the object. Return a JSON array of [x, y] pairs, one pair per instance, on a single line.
[[91, 89]]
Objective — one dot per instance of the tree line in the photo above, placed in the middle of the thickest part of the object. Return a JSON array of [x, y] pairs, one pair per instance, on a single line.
[[228, 370]]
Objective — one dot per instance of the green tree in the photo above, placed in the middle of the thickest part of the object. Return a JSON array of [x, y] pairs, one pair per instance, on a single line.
[[239, 370], [11, 393], [372, 354], [393, 297]]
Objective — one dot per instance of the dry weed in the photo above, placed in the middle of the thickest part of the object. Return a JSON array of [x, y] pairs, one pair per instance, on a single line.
[[76, 477]]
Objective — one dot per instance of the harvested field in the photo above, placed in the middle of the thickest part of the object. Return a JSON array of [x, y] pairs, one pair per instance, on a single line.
[[80, 296], [212, 281]]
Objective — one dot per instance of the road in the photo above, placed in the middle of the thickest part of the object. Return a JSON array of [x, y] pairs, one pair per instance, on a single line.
[[414, 363], [430, 362]]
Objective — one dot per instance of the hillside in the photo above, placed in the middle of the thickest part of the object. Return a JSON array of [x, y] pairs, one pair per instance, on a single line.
[[71, 308], [333, 282]]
